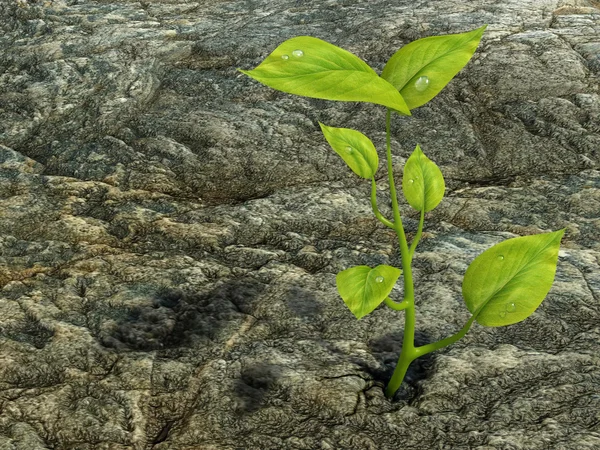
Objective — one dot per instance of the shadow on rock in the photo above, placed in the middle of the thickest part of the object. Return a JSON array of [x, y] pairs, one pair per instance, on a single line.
[[302, 303], [254, 385], [178, 318]]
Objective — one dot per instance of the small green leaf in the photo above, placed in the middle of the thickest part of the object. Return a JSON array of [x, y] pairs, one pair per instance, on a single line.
[[506, 283], [308, 66], [423, 182], [421, 69], [363, 288], [355, 148]]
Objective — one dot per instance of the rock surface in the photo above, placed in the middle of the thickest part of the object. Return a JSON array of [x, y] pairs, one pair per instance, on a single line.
[[170, 230]]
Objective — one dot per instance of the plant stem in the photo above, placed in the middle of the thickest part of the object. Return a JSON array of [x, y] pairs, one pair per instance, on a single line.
[[376, 211], [398, 376], [407, 354], [424, 349], [395, 305]]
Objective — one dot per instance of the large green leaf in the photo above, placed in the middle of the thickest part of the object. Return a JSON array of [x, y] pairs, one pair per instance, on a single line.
[[308, 66], [363, 288], [421, 69], [423, 182], [506, 283], [355, 148]]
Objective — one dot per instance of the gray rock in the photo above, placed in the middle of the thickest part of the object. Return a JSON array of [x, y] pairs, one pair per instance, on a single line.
[[170, 230]]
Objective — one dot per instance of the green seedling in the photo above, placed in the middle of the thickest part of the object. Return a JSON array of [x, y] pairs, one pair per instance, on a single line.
[[503, 285]]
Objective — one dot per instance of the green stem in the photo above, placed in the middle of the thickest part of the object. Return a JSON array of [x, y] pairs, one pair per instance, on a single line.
[[395, 305], [398, 376], [376, 211], [407, 354], [417, 237], [407, 357], [424, 349]]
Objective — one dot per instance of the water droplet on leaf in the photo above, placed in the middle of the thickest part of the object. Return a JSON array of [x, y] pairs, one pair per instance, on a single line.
[[285, 57], [501, 257], [411, 181], [298, 53], [511, 307], [422, 83], [502, 313], [379, 279], [349, 149]]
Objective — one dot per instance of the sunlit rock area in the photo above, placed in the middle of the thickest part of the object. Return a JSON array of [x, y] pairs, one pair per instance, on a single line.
[[170, 230]]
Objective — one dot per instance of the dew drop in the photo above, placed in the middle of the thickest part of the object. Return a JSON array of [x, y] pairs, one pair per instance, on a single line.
[[349, 149], [411, 181], [511, 307], [502, 313], [298, 53], [501, 257], [422, 83], [285, 57], [379, 279]]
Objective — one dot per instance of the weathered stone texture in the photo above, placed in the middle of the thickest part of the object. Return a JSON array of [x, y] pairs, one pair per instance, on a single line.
[[170, 230]]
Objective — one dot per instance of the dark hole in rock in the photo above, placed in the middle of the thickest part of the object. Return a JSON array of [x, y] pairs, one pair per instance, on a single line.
[[163, 433], [387, 349]]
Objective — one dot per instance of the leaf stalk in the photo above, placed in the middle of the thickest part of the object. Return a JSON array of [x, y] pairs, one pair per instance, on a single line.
[[376, 211]]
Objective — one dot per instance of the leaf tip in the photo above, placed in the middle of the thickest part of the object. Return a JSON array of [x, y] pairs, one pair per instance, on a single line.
[[326, 131], [479, 31]]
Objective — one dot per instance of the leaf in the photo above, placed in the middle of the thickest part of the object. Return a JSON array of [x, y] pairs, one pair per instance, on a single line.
[[506, 283], [308, 66], [355, 148], [421, 69], [363, 288], [423, 182]]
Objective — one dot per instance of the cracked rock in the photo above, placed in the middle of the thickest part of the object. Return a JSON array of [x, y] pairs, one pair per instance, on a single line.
[[170, 230]]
